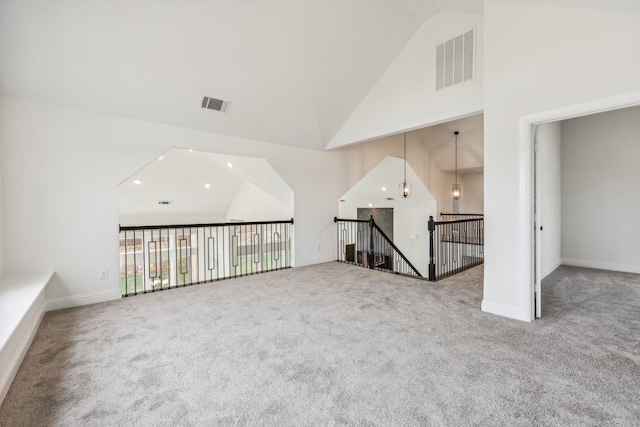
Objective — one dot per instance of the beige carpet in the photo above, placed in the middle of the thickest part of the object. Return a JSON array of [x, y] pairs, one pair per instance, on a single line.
[[334, 344]]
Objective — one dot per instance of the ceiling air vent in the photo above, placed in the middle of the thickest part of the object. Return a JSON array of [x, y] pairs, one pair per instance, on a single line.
[[390, 198], [164, 202], [215, 104], [454, 60]]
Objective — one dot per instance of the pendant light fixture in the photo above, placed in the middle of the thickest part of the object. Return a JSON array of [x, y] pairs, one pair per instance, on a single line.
[[456, 192], [405, 188]]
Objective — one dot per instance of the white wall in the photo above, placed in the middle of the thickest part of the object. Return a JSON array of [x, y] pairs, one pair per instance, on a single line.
[[549, 137], [254, 204], [600, 203], [362, 158], [405, 97], [62, 168], [1, 214], [472, 198], [538, 58]]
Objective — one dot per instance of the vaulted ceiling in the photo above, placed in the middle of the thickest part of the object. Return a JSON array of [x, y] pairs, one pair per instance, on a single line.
[[294, 70]]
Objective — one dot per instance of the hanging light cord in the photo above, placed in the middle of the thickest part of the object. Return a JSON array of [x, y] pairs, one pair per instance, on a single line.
[[405, 157], [456, 159]]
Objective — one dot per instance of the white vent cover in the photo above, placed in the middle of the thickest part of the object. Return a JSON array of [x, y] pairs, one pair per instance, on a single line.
[[455, 60], [215, 104], [164, 202]]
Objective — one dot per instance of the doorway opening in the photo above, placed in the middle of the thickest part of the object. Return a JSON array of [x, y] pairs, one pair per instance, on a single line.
[[571, 181]]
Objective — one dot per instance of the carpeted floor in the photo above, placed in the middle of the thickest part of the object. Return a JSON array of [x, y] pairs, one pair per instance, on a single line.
[[334, 344]]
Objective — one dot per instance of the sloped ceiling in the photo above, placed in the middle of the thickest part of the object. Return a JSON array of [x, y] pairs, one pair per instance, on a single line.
[[440, 142], [294, 70], [378, 186], [181, 177]]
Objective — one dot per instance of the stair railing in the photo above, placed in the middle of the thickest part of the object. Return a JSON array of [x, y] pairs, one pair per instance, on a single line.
[[363, 243], [455, 245]]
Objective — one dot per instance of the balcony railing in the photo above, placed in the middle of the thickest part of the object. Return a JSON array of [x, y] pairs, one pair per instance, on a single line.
[[154, 258], [363, 243], [455, 245], [456, 216]]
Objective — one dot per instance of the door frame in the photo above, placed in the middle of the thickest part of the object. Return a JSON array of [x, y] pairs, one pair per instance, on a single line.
[[527, 176]]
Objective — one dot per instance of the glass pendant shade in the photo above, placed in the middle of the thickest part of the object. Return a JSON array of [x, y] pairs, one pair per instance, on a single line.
[[405, 189], [456, 193]]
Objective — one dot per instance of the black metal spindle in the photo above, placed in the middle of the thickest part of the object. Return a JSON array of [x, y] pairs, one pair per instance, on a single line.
[[249, 248]]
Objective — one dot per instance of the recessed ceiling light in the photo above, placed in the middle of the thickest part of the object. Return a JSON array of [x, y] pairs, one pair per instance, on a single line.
[[161, 157], [137, 182], [384, 188], [190, 149], [230, 165], [207, 185], [370, 205]]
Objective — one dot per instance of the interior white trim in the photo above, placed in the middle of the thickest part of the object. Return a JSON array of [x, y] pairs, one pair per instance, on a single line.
[[601, 265], [510, 311], [552, 269], [526, 228], [84, 299]]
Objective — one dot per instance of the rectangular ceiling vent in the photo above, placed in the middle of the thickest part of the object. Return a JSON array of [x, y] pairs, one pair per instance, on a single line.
[[455, 60], [164, 202], [215, 104], [390, 198]]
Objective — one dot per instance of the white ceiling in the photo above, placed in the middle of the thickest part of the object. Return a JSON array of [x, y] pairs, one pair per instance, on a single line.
[[180, 176], [440, 142], [294, 70], [382, 182]]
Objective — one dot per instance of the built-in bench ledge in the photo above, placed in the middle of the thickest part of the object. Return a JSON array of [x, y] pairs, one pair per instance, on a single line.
[[22, 306]]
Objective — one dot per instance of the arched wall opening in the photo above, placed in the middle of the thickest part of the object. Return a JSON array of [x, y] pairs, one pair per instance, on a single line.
[[183, 187], [404, 220], [191, 217]]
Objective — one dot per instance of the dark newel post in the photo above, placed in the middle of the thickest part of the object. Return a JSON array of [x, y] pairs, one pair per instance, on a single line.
[[432, 265], [371, 248]]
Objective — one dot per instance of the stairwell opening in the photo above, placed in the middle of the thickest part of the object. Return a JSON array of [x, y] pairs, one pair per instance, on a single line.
[[407, 223]]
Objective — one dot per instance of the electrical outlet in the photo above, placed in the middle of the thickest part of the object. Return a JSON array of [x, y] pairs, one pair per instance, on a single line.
[[104, 274]]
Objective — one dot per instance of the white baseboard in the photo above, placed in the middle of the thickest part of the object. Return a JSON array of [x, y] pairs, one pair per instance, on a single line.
[[313, 261], [552, 269], [602, 265], [504, 310], [27, 331], [83, 299]]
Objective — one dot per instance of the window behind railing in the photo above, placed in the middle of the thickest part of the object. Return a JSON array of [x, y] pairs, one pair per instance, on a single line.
[[161, 257]]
